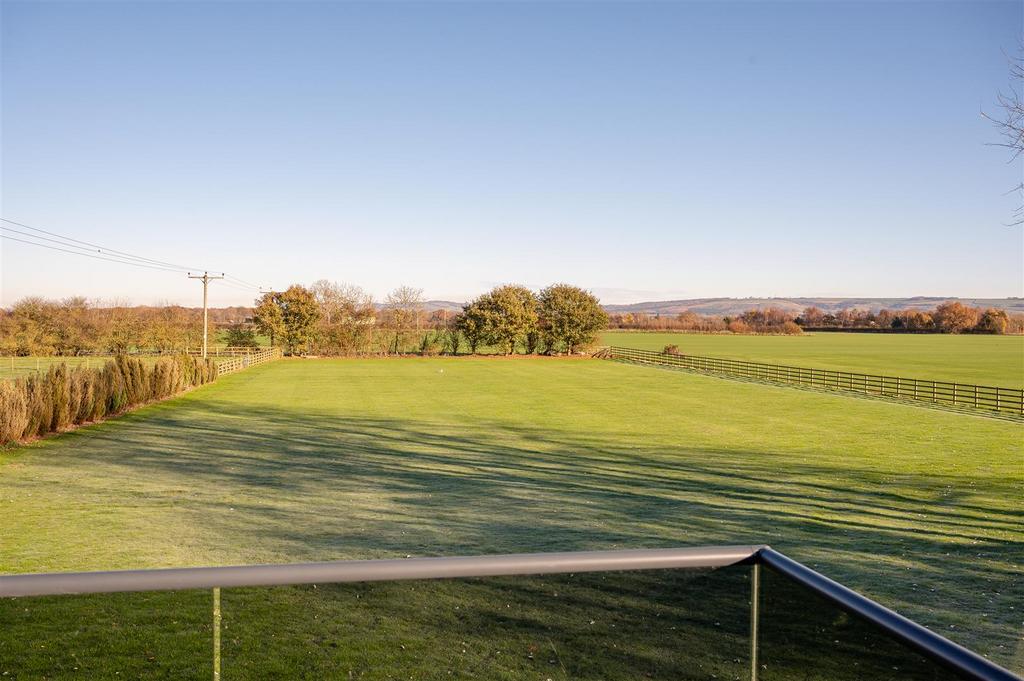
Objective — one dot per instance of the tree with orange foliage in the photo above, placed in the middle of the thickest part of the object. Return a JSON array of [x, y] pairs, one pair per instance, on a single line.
[[955, 317]]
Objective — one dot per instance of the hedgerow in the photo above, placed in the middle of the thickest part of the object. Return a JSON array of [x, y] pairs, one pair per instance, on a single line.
[[54, 401]]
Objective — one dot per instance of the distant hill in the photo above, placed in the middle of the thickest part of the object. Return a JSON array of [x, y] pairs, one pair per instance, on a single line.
[[432, 305], [718, 307], [733, 306]]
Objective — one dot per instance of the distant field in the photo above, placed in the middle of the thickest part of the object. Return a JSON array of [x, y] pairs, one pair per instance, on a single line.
[[985, 360], [303, 460]]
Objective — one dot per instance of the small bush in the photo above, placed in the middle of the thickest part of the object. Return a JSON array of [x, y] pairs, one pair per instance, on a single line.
[[671, 350], [431, 345]]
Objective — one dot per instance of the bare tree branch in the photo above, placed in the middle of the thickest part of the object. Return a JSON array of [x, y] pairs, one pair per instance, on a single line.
[[1010, 124]]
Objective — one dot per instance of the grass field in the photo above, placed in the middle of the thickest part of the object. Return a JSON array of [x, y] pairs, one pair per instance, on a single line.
[[985, 360], [326, 459]]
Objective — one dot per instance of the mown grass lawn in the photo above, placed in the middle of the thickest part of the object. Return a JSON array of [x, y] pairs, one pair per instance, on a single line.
[[984, 360], [304, 460]]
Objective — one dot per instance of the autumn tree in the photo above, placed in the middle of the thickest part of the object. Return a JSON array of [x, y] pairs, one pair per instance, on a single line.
[[955, 317], [299, 315], [124, 329], [812, 316], [570, 317], [993, 321], [268, 316], [347, 317]]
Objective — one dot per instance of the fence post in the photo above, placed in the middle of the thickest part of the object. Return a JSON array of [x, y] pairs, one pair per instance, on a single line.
[[216, 634], [755, 615]]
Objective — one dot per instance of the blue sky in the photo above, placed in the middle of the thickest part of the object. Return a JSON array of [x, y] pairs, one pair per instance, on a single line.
[[641, 150]]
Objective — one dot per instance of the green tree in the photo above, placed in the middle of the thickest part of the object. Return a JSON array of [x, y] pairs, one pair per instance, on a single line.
[[268, 316], [470, 325], [241, 336], [505, 315], [299, 315], [570, 317]]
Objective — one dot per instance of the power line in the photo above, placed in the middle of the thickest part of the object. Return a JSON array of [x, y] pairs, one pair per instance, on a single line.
[[243, 281], [88, 255], [110, 254], [111, 258], [108, 251], [230, 284]]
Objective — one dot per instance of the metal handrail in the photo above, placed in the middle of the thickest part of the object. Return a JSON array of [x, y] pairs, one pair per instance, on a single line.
[[964, 662], [371, 570], [960, 660]]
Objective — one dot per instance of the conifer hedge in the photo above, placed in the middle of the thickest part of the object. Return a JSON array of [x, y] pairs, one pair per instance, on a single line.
[[53, 401]]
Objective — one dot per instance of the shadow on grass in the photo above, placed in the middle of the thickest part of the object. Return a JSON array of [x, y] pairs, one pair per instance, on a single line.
[[273, 484]]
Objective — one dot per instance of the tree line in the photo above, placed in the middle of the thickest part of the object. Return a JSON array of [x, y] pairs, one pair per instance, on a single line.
[[769, 320], [341, 319], [951, 317], [76, 326]]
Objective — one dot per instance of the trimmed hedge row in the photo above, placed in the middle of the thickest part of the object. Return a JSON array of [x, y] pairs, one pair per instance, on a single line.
[[62, 397]]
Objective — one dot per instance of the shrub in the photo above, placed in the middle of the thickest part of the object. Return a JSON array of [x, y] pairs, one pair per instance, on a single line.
[[56, 384], [671, 350], [40, 405], [430, 345], [451, 340], [14, 415]]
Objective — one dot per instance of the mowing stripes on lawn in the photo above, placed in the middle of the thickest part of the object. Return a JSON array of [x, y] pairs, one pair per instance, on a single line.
[[312, 460]]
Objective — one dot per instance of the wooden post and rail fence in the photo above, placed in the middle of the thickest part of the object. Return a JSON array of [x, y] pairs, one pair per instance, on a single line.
[[243, 360], [1005, 401]]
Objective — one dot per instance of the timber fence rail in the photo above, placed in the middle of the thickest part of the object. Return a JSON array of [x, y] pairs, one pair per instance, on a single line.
[[1005, 401], [244, 361]]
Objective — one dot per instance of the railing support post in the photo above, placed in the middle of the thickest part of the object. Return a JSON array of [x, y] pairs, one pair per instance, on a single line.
[[216, 633], [755, 615]]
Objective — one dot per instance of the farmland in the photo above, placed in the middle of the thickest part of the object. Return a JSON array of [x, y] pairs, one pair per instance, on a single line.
[[986, 360], [326, 459]]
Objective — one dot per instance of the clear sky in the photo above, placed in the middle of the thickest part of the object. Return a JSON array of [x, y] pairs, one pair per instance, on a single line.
[[642, 150]]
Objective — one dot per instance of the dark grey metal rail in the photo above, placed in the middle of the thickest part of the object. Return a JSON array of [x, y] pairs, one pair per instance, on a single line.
[[372, 570], [961, 661], [965, 663]]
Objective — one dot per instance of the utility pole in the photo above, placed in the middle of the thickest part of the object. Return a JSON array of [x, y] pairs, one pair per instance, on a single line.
[[206, 279]]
